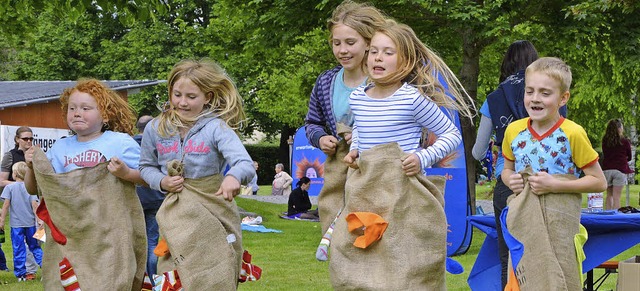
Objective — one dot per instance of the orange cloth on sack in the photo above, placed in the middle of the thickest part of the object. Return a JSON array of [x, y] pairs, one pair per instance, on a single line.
[[161, 248], [374, 226]]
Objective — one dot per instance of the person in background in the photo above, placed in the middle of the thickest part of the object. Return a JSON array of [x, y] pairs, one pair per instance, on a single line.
[[22, 208], [151, 201], [23, 141], [299, 203], [616, 152], [503, 106], [254, 181], [281, 182]]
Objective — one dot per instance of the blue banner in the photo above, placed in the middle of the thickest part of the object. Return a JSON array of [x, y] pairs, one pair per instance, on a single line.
[[456, 198], [307, 161]]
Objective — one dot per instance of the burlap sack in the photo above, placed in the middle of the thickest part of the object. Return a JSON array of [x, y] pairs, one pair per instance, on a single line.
[[331, 197], [412, 251], [203, 233], [103, 221], [546, 226]]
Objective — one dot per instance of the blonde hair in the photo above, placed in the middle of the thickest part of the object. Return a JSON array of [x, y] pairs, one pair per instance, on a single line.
[[555, 68], [362, 18], [119, 115], [19, 169], [419, 66], [225, 101]]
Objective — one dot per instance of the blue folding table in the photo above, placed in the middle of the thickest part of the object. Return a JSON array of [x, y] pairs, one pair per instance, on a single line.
[[609, 235]]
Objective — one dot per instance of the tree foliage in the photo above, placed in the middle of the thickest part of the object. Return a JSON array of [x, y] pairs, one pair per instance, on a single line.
[[274, 49]]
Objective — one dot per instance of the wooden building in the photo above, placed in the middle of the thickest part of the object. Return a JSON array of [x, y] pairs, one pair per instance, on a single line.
[[35, 103]]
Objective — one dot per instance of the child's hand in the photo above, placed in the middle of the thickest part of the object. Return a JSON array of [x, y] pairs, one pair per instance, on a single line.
[[350, 159], [328, 144], [229, 188], [118, 168], [516, 183], [541, 183], [28, 155], [411, 165], [347, 137], [172, 184]]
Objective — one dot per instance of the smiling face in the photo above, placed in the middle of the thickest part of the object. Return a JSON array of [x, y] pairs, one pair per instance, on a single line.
[[348, 47], [83, 116], [543, 98], [187, 98], [383, 57]]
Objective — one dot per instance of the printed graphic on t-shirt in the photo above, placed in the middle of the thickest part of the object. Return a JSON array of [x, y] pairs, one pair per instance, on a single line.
[[552, 154], [190, 148], [87, 159]]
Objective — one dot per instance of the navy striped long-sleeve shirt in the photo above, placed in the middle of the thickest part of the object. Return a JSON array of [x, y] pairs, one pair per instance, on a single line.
[[400, 118]]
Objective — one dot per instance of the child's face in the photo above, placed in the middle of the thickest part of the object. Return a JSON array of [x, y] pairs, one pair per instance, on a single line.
[[187, 98], [383, 57], [83, 116], [542, 98], [348, 47]]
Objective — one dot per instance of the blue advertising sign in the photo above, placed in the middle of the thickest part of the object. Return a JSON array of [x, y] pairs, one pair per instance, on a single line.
[[456, 199], [307, 161]]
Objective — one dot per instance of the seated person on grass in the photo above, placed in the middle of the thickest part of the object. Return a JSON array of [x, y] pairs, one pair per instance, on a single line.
[[299, 203]]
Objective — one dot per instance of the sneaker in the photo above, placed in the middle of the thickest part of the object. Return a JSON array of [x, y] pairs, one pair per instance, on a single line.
[[30, 277], [22, 279]]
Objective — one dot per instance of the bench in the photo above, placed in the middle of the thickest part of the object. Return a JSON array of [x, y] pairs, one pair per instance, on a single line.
[[609, 267]]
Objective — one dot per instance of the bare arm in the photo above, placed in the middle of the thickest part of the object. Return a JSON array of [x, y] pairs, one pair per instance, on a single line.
[[5, 209], [4, 179], [119, 169]]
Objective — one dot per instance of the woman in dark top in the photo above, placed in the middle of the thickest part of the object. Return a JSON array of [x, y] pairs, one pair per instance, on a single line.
[[299, 202], [616, 151]]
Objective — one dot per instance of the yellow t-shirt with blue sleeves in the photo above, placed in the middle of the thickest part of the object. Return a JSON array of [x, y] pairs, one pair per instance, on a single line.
[[564, 149]]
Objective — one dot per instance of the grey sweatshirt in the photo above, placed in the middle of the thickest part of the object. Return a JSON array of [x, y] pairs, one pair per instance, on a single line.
[[207, 148]]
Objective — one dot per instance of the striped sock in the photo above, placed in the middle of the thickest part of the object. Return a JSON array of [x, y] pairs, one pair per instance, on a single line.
[[322, 253], [68, 276]]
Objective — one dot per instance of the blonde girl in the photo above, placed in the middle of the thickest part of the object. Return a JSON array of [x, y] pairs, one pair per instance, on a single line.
[[387, 193], [402, 69], [196, 131]]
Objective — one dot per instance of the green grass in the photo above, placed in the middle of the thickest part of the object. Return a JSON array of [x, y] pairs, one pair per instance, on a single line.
[[288, 258]]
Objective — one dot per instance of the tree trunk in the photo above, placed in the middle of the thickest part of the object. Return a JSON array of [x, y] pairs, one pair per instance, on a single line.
[[284, 155], [469, 79]]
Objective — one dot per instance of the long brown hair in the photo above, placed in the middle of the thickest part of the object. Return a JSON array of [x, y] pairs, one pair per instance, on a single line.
[[612, 135]]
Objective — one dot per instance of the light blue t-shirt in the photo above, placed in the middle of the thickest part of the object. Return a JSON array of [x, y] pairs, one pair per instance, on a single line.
[[340, 100], [20, 211], [68, 154]]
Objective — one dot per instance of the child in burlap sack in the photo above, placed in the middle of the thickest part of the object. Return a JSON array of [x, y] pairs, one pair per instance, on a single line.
[[387, 192], [351, 27], [185, 151], [93, 217], [550, 145]]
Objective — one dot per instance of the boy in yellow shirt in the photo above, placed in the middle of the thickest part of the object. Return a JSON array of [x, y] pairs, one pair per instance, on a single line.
[[550, 144]]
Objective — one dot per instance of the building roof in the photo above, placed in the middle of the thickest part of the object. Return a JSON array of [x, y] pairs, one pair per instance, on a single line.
[[21, 93]]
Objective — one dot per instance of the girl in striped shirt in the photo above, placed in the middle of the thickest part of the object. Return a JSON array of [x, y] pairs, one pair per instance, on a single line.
[[409, 83]]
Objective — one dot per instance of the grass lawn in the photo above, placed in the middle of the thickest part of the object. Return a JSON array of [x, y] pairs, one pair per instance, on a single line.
[[288, 258]]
